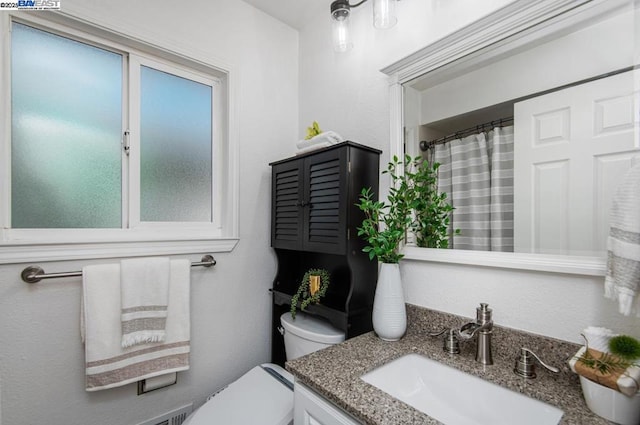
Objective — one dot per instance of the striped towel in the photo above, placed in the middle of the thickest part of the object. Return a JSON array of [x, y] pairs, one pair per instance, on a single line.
[[144, 284], [108, 365], [622, 280]]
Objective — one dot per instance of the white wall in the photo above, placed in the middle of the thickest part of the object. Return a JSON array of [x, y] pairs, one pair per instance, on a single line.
[[41, 356], [346, 93], [582, 54]]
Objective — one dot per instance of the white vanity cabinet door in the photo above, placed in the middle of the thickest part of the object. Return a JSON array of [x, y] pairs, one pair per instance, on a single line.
[[311, 409]]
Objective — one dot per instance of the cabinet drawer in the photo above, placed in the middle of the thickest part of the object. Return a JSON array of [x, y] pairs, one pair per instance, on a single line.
[[311, 409]]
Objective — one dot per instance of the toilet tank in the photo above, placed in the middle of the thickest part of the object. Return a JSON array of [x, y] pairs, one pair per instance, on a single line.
[[307, 334]]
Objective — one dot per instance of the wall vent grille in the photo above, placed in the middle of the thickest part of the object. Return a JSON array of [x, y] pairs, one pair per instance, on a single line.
[[174, 417]]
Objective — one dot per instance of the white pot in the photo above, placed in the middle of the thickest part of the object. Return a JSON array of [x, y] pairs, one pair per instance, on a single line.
[[389, 313], [611, 404]]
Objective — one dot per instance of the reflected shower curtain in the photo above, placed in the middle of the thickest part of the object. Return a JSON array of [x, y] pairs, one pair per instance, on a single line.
[[476, 172]]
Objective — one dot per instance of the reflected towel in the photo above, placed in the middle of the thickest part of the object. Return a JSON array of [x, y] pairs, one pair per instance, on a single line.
[[144, 284], [107, 364], [622, 280]]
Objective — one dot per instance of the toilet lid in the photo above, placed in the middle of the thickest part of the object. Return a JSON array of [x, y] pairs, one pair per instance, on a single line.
[[255, 398]]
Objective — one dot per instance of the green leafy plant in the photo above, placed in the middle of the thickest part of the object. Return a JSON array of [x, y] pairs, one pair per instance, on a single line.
[[394, 215], [313, 131], [624, 351], [625, 347], [413, 204], [605, 364], [306, 293], [431, 210]]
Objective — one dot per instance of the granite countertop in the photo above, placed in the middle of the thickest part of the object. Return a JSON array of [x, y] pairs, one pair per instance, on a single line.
[[335, 371]]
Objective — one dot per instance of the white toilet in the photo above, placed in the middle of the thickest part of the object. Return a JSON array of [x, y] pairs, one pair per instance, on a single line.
[[264, 395]]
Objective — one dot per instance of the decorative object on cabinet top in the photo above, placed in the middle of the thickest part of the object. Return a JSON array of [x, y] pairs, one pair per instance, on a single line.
[[317, 139]]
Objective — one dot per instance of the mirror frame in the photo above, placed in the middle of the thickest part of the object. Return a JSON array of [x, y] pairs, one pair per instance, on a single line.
[[517, 24]]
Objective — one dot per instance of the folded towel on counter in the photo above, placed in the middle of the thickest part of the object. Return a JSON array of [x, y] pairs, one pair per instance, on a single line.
[[626, 382], [144, 291], [622, 280], [107, 364]]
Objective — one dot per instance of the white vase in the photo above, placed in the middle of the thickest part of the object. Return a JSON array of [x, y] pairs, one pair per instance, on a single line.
[[389, 312]]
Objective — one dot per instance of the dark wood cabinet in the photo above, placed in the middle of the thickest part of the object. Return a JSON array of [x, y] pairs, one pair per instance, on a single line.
[[308, 195], [313, 225]]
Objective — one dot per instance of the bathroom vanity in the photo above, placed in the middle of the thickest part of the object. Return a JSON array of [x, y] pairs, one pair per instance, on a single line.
[[311, 408], [332, 378]]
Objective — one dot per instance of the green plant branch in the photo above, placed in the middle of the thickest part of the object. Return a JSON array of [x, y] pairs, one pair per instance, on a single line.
[[607, 363], [304, 291], [413, 203]]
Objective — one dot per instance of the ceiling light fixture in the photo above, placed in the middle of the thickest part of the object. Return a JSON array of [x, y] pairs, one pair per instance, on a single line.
[[384, 16]]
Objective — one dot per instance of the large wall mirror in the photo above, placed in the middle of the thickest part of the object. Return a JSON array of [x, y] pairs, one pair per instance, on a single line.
[[533, 114]]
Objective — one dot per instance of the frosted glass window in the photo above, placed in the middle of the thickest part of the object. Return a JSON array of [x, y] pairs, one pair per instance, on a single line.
[[176, 148], [66, 126]]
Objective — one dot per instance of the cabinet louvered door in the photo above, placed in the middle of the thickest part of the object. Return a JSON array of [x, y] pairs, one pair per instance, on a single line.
[[286, 218], [325, 198]]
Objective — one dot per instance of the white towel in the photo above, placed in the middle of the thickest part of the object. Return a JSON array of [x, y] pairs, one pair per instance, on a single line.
[[622, 280], [323, 139], [598, 338], [109, 365], [313, 147], [144, 284]]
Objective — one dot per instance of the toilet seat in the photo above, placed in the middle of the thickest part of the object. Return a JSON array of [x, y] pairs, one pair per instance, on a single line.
[[257, 397]]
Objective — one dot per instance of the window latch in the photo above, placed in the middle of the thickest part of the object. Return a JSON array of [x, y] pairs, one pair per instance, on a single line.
[[125, 142]]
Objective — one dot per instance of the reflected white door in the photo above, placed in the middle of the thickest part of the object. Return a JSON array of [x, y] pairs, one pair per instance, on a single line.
[[572, 148]]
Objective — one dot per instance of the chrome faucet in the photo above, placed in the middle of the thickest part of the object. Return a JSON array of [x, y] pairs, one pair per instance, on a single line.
[[483, 327]]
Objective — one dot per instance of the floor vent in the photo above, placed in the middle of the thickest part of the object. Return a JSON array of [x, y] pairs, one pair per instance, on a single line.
[[175, 417]]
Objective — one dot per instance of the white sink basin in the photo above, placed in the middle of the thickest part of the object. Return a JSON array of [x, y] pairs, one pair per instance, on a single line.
[[457, 398]]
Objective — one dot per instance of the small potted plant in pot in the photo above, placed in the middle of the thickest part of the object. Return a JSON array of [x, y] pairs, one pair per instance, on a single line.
[[384, 229], [610, 379], [313, 287], [413, 204]]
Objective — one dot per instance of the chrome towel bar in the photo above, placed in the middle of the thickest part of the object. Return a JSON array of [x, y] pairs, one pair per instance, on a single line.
[[34, 274]]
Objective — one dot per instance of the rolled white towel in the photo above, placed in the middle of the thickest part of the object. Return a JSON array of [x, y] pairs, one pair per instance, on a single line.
[[326, 138], [598, 338], [313, 148]]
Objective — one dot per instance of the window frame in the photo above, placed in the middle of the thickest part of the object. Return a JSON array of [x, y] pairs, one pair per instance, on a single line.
[[134, 216], [135, 238]]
